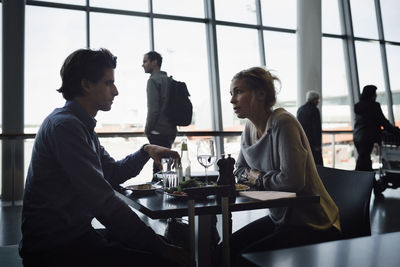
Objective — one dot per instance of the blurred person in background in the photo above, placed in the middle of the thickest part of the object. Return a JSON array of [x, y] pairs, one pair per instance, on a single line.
[[310, 119], [368, 125]]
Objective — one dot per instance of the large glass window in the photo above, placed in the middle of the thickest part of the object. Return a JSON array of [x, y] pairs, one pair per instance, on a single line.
[[239, 11], [370, 69], [280, 51], [142, 6], [119, 148], [1, 73], [336, 107], [272, 11], [364, 18], [330, 17], [393, 55], [390, 18], [1, 93], [238, 49], [184, 50], [72, 2], [50, 36], [192, 8], [129, 44]]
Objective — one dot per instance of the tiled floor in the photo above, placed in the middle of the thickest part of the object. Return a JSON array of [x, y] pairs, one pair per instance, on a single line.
[[385, 212], [385, 217], [10, 222]]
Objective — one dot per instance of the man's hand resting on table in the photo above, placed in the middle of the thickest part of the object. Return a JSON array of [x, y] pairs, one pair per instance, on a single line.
[[157, 152]]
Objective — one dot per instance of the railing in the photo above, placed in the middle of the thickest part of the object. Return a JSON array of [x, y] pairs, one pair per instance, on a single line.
[[142, 134], [14, 163], [337, 137]]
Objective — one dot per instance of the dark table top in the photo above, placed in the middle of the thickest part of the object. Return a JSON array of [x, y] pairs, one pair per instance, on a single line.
[[158, 205], [371, 251]]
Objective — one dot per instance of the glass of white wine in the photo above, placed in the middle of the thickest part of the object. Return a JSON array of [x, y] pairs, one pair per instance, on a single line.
[[206, 154]]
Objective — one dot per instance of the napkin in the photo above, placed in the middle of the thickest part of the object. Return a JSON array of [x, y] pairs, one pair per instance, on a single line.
[[267, 195]]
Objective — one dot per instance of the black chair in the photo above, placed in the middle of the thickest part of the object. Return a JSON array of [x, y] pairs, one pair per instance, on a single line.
[[351, 191]]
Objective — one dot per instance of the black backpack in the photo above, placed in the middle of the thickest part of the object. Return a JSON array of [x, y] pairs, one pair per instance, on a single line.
[[179, 108]]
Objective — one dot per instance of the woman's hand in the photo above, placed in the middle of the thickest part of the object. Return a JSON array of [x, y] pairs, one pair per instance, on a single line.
[[252, 176], [157, 152]]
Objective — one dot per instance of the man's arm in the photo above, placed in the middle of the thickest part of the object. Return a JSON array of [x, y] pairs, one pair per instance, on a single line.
[[117, 172], [157, 152], [82, 166]]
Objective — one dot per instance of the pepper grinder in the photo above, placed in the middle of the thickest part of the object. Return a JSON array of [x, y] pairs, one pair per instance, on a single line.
[[221, 163]]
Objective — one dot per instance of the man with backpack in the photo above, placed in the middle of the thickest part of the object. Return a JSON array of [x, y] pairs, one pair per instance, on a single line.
[[159, 129]]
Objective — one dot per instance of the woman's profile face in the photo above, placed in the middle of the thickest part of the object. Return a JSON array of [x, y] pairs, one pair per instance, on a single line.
[[243, 99]]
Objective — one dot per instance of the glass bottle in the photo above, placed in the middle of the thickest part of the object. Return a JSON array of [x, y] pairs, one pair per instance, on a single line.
[[185, 161]]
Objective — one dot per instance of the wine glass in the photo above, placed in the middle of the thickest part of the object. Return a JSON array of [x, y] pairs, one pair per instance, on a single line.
[[206, 154]]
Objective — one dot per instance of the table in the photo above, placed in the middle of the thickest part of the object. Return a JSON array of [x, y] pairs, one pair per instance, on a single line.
[[369, 251], [162, 206]]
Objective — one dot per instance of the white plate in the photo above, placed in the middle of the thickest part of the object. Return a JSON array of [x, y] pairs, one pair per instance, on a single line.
[[176, 195], [136, 188]]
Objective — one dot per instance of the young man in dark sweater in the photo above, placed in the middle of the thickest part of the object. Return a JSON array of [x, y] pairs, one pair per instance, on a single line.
[[71, 177]]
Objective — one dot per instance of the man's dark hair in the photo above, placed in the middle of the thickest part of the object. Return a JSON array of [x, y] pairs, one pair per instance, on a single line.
[[84, 64], [153, 55], [368, 93]]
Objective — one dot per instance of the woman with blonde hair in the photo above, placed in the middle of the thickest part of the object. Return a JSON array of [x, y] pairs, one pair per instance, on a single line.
[[275, 155]]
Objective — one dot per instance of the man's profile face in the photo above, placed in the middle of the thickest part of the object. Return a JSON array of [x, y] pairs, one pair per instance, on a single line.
[[148, 65], [101, 94]]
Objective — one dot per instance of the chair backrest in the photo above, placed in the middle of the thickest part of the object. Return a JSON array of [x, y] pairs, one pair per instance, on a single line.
[[351, 191]]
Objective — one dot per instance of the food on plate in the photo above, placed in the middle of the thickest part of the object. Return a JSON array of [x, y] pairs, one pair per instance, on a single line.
[[183, 185], [189, 183], [177, 193], [171, 190], [241, 187], [143, 186], [174, 191]]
